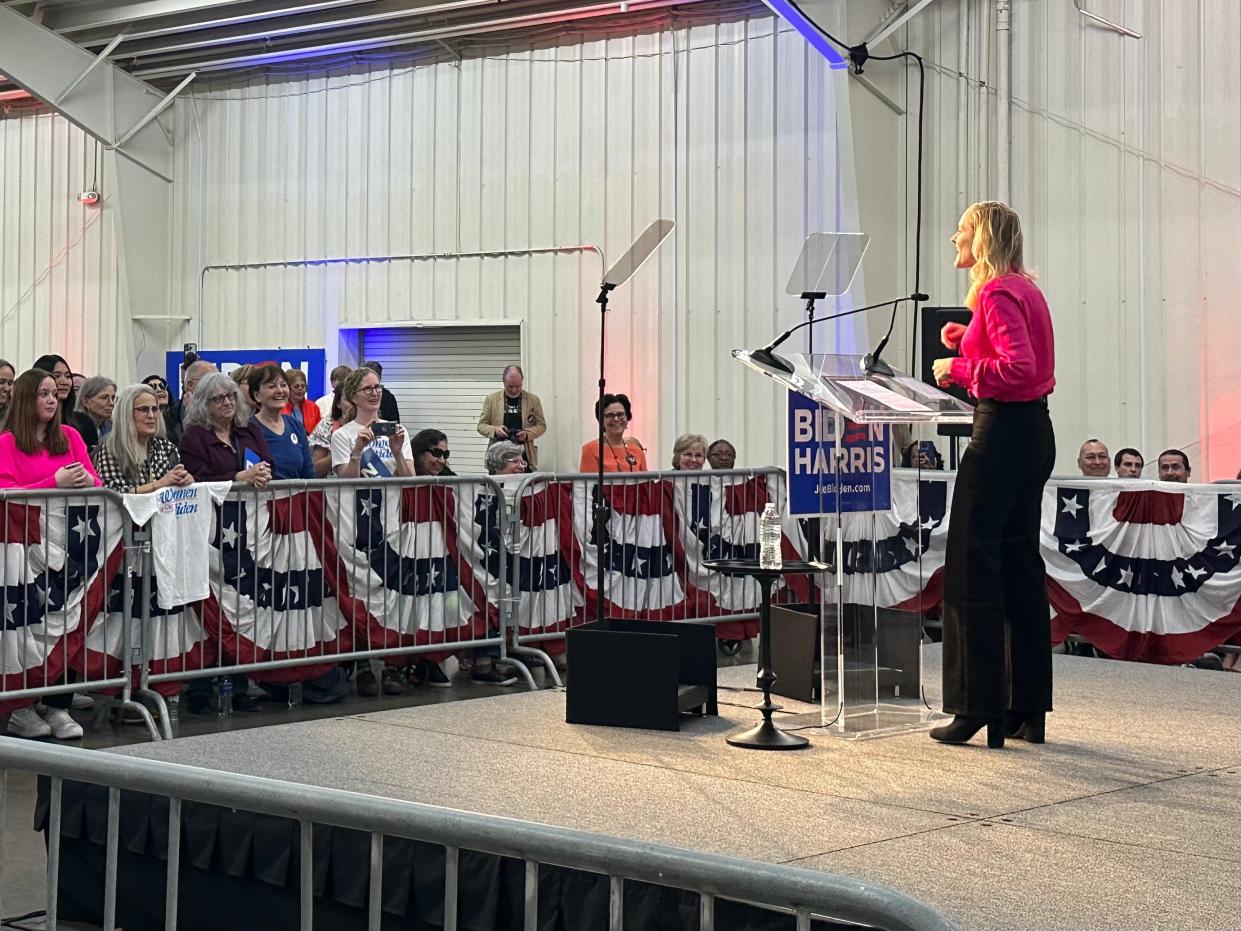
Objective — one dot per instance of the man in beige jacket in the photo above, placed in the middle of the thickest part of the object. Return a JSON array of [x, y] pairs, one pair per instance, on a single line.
[[514, 414]]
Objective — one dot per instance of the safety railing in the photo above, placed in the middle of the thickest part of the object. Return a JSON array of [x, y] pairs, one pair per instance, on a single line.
[[805, 893], [303, 576], [62, 549], [660, 528]]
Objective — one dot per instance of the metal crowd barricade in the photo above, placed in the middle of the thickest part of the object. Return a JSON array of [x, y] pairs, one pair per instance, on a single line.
[[661, 526], [804, 893], [65, 592], [316, 573]]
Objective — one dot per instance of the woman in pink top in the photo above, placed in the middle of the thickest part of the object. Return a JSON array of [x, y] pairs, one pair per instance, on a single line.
[[36, 451], [997, 631]]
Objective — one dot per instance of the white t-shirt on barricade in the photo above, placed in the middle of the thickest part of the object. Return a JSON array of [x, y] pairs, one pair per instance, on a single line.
[[377, 459], [181, 523]]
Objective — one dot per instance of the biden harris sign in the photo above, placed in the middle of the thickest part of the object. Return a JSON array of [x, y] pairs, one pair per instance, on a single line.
[[853, 469]]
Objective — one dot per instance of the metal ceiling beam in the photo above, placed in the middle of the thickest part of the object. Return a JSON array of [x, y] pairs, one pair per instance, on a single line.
[[264, 32], [161, 17], [122, 112], [263, 56]]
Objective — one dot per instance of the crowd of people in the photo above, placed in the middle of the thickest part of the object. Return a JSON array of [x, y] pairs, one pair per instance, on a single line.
[[256, 424], [1094, 461]]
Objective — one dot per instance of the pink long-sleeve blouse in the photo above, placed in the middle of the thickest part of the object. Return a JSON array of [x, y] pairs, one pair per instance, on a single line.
[[1008, 352]]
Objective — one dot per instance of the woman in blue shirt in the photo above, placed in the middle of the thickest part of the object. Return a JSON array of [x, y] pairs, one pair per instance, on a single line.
[[290, 450]]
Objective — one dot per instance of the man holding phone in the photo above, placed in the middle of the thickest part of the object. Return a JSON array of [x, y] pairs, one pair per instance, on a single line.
[[514, 414]]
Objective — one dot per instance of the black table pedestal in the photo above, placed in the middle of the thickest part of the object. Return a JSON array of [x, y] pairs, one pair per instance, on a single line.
[[765, 736]]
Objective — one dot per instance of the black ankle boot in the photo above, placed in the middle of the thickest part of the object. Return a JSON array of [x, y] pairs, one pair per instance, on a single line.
[[1026, 725], [963, 728]]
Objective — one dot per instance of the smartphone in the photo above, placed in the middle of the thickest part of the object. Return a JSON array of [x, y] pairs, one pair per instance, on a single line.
[[383, 428]]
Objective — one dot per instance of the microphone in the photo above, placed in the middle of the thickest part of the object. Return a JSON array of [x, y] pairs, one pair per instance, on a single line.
[[872, 364], [767, 356]]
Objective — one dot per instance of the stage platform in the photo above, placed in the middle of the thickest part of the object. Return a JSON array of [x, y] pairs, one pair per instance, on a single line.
[[1128, 818]]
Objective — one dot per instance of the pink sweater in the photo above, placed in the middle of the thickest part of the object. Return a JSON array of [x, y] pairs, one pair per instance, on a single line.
[[1008, 352], [19, 470]]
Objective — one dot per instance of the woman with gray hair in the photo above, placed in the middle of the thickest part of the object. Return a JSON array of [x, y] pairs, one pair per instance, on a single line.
[[219, 443], [96, 400], [505, 458], [136, 456]]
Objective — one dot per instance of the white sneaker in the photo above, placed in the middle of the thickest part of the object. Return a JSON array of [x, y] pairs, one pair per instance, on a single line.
[[63, 726], [25, 722], [81, 702]]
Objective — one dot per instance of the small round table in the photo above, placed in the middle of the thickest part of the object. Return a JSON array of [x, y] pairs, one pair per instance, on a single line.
[[765, 736]]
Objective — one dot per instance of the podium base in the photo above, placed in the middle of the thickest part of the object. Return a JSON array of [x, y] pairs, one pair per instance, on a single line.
[[767, 736]]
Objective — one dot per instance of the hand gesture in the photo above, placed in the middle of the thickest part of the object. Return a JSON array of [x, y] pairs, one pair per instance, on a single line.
[[398, 444], [365, 438], [519, 436], [177, 476], [941, 370], [950, 335], [502, 433], [72, 475]]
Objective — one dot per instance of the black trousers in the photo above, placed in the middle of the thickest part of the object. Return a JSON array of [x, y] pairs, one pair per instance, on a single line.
[[997, 626]]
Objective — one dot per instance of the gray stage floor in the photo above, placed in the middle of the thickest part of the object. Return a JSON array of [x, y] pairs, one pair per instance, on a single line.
[[1128, 818]]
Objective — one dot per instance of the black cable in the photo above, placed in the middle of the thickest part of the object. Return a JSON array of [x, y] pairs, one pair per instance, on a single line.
[[859, 55]]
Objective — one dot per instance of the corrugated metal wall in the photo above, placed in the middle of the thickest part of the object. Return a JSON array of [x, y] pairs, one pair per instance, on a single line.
[[727, 128], [1126, 164], [58, 269]]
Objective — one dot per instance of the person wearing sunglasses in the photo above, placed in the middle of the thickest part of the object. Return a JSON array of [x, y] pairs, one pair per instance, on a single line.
[[160, 389], [366, 446], [136, 457], [431, 453], [620, 453], [62, 374]]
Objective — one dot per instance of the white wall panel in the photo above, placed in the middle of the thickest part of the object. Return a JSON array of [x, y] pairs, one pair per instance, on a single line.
[[727, 128], [1126, 162], [58, 269]]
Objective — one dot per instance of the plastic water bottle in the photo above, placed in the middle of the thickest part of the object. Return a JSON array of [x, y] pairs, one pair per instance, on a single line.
[[295, 696], [769, 538], [225, 704], [173, 703]]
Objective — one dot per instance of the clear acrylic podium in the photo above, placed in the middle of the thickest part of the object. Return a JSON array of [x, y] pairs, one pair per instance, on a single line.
[[871, 630]]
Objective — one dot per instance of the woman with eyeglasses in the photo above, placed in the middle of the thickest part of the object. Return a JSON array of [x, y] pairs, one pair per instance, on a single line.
[[37, 451], [305, 413], [431, 453], [365, 446], [136, 457], [96, 400], [620, 453], [62, 374], [219, 443]]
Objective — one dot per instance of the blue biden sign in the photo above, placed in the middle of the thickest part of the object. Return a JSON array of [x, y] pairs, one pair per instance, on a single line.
[[860, 474]]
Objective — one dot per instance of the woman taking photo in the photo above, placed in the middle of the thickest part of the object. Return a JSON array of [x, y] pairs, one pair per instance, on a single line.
[[620, 453], [37, 451], [997, 636], [218, 444], [290, 449], [60, 371], [366, 446], [136, 457]]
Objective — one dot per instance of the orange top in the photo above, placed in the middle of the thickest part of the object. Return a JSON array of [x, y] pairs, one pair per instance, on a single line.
[[616, 458]]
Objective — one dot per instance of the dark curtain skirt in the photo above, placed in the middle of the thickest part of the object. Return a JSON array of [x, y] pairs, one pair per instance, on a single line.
[[242, 870]]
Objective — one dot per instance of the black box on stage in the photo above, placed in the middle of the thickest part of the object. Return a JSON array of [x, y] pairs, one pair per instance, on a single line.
[[640, 673], [932, 321]]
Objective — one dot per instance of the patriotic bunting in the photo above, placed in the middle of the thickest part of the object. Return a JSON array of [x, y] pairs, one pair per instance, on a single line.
[[1143, 570]]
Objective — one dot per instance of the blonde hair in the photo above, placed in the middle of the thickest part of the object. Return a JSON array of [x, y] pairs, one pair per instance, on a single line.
[[996, 246], [683, 443]]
